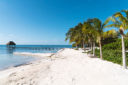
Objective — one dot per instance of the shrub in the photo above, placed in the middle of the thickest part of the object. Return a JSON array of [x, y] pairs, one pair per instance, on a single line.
[[113, 55], [76, 48], [115, 45], [112, 52]]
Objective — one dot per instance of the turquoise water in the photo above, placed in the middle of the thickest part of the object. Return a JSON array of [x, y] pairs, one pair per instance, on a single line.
[[7, 59]]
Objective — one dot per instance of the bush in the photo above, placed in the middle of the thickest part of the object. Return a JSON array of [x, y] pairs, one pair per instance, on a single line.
[[111, 55], [97, 53], [76, 48], [112, 52], [115, 45]]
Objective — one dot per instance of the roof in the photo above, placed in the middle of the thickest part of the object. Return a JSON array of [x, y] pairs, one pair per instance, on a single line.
[[11, 43]]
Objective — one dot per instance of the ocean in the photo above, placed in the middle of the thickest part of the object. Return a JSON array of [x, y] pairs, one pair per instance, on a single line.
[[7, 59]]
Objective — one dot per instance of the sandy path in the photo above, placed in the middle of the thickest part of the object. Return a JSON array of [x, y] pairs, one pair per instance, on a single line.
[[76, 68], [67, 67]]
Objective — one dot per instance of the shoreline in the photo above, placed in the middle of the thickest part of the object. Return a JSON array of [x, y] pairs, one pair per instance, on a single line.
[[66, 67], [10, 72], [41, 55], [35, 55]]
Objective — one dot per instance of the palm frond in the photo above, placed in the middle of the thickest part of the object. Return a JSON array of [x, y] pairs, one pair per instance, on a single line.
[[120, 17], [112, 25], [126, 12]]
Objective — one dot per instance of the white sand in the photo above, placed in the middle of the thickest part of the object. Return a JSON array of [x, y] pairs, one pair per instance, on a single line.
[[67, 67], [33, 54]]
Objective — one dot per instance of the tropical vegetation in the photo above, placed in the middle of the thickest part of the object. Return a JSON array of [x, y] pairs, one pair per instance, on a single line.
[[92, 33]]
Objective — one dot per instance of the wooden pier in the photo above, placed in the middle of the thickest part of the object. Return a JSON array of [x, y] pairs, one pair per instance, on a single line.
[[40, 48]]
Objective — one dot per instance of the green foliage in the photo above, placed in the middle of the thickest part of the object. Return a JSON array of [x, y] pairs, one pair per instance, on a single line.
[[76, 48], [74, 45], [97, 53], [113, 55], [112, 52], [108, 40], [115, 45]]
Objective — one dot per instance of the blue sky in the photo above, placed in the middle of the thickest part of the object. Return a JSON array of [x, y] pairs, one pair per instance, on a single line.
[[47, 21]]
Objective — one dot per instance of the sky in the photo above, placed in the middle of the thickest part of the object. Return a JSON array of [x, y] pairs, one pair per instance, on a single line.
[[45, 22]]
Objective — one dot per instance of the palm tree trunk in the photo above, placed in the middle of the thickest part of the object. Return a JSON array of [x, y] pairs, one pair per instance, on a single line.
[[93, 48], [83, 45], [76, 46], [100, 49], [123, 53], [90, 45]]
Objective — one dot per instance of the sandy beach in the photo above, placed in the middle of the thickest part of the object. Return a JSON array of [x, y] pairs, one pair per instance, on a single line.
[[66, 67]]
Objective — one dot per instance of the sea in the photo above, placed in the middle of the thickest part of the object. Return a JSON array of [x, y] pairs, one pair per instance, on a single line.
[[8, 60]]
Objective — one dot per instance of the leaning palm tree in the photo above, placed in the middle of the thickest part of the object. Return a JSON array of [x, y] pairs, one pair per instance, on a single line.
[[81, 35], [90, 34], [72, 36], [98, 27], [98, 31], [85, 31], [75, 35], [120, 21]]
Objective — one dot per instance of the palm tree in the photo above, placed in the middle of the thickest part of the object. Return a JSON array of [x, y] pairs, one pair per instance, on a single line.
[[120, 21], [85, 32], [71, 36], [110, 34], [90, 34], [75, 35], [98, 27], [81, 35], [98, 32]]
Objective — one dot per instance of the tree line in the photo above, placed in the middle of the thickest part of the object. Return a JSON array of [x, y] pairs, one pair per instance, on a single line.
[[91, 33]]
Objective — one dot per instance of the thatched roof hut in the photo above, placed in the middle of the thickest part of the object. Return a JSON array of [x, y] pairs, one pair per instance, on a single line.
[[11, 43]]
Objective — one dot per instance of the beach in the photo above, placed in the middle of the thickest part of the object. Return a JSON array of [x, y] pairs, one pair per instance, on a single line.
[[66, 67], [63, 42]]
